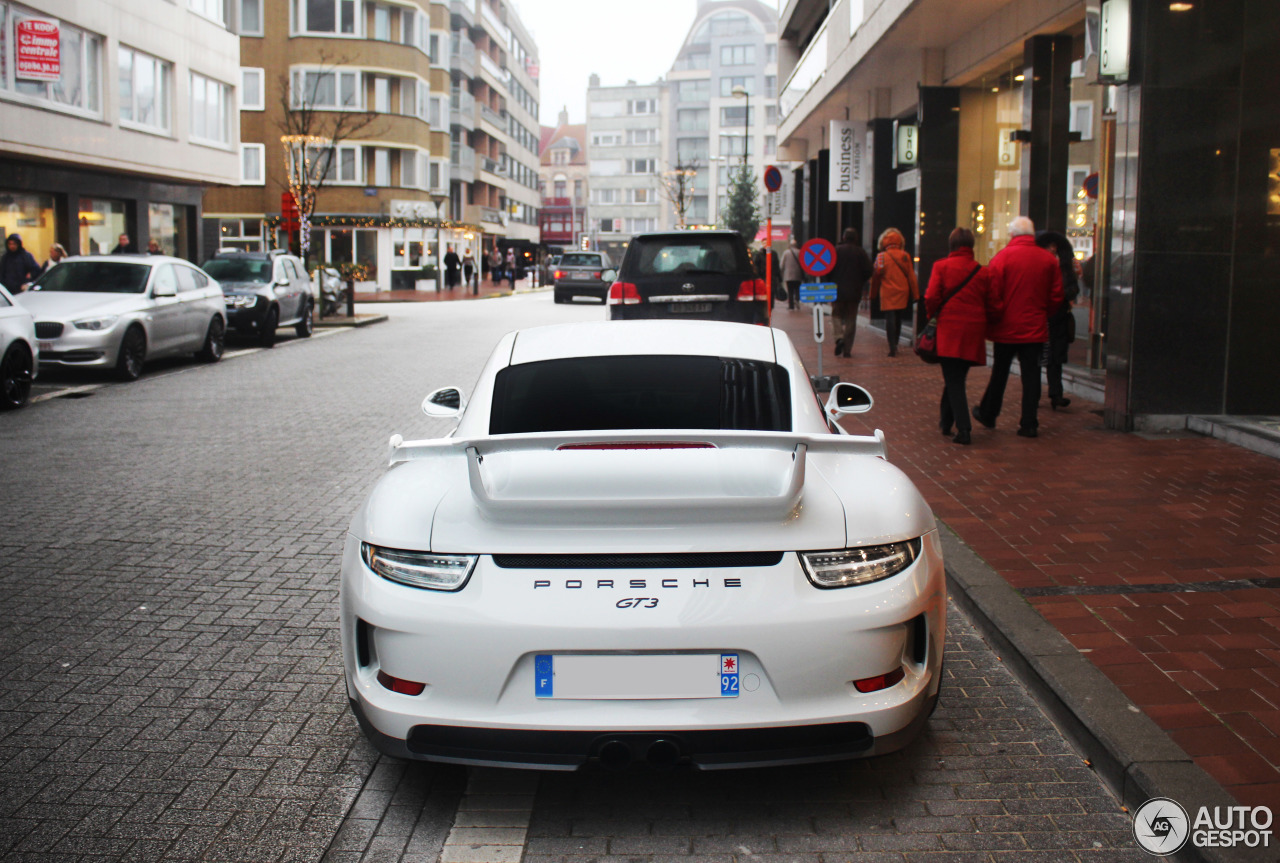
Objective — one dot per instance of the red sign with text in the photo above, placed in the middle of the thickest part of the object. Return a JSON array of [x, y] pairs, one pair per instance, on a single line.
[[38, 49]]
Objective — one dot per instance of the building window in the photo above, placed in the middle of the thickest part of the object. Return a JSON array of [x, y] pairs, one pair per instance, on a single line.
[[214, 10], [608, 226], [771, 115], [344, 166], [79, 85], [642, 136], [250, 17], [770, 144], [693, 91], [642, 106], [604, 139], [736, 115], [381, 166], [409, 168], [252, 97], [605, 196], [144, 90], [436, 183], [1082, 120], [326, 89], [640, 196], [737, 55], [561, 188], [771, 53], [243, 234], [407, 21], [382, 23], [692, 150], [382, 95], [251, 167], [325, 16], [210, 110], [693, 119], [640, 166], [732, 145], [728, 83], [771, 86]]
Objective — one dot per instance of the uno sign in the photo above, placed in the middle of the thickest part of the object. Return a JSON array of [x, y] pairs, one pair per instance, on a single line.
[[38, 49]]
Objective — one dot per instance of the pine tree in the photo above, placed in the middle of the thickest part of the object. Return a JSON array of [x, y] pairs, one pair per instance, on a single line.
[[742, 210]]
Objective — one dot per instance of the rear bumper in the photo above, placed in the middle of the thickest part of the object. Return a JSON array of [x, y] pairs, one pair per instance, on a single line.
[[755, 312], [703, 749], [570, 290]]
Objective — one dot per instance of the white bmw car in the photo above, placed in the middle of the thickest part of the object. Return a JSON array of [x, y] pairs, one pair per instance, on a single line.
[[645, 542]]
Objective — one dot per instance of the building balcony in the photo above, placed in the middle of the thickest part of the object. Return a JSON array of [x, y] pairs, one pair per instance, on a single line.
[[490, 67], [462, 109], [493, 166], [490, 20], [495, 119], [462, 163], [463, 58], [465, 10], [492, 215]]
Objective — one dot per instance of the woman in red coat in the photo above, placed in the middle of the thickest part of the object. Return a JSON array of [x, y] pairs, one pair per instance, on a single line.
[[962, 326]]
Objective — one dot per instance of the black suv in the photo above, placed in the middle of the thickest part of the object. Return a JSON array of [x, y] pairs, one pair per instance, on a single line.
[[263, 292], [689, 275]]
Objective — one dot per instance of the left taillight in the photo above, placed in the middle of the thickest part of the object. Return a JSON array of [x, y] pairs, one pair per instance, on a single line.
[[559, 274], [753, 289], [623, 294]]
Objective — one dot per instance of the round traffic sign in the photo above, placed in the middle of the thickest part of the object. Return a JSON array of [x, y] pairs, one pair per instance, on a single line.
[[818, 257], [772, 178]]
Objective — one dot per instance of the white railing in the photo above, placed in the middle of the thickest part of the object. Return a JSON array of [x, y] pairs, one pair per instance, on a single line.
[[491, 18], [462, 156], [491, 66], [811, 68]]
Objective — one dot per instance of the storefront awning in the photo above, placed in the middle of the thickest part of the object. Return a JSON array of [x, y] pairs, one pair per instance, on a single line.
[[780, 233]]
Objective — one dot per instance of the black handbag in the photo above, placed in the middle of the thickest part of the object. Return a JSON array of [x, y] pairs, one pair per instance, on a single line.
[[926, 343]]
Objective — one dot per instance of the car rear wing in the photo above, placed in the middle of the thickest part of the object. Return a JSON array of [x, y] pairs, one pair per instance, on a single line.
[[778, 500]]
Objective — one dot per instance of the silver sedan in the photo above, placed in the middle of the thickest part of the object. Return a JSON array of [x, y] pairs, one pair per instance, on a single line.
[[119, 311]]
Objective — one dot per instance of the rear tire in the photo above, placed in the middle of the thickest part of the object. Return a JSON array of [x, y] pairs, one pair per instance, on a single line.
[[15, 377], [215, 341], [267, 338], [306, 326], [132, 354]]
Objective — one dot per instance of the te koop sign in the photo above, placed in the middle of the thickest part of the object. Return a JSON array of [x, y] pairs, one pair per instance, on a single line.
[[38, 49]]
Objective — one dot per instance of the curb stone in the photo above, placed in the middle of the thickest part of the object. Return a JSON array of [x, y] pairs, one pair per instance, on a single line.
[[1134, 757]]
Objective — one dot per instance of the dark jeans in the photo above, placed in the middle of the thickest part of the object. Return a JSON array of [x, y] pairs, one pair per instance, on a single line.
[[1029, 358], [893, 326], [955, 401], [793, 294]]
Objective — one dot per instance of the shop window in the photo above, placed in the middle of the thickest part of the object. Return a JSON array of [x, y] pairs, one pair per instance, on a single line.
[[168, 228], [251, 164], [210, 110], [31, 217], [251, 90], [102, 221], [144, 90], [243, 234]]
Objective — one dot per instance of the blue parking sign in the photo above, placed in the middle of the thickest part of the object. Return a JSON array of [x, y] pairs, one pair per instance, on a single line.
[[818, 292]]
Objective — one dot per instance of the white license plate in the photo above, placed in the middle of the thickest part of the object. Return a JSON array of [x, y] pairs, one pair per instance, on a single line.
[[645, 676], [44, 345], [690, 308]]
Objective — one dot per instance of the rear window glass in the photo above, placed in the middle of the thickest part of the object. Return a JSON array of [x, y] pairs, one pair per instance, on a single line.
[[641, 392], [96, 277], [238, 269], [580, 261], [654, 256]]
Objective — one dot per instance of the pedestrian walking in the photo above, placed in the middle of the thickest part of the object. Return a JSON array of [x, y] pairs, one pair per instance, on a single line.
[[1062, 324], [961, 298], [124, 246], [469, 271], [893, 282], [511, 266], [18, 267], [452, 268], [1029, 284], [153, 247], [792, 272], [56, 254], [850, 273]]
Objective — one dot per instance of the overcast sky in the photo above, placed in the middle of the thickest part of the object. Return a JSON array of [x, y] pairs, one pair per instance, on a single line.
[[618, 41]]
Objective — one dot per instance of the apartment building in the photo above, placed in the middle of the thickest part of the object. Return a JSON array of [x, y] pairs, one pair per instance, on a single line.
[[626, 127], [116, 117], [564, 177]]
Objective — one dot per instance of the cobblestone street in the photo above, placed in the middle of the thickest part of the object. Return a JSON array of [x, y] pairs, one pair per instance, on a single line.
[[173, 685]]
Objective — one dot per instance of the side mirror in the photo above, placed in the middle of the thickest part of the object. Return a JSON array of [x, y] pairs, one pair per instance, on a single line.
[[609, 276], [444, 402], [164, 291], [848, 398]]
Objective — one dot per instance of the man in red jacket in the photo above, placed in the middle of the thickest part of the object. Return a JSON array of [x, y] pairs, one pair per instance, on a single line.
[[1029, 282]]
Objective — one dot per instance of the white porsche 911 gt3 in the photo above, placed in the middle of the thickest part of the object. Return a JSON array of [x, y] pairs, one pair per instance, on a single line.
[[645, 541]]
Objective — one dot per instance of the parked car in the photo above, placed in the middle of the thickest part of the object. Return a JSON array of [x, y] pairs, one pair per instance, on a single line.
[[689, 274], [264, 291], [19, 354], [581, 275], [120, 311], [644, 541]]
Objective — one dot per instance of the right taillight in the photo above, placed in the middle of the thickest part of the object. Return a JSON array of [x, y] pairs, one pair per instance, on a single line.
[[559, 275], [753, 289], [623, 294]]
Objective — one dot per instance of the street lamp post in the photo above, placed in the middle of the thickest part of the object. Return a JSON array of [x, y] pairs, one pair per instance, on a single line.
[[746, 123]]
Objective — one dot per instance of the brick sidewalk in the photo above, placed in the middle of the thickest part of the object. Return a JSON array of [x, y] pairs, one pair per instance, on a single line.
[[1157, 556]]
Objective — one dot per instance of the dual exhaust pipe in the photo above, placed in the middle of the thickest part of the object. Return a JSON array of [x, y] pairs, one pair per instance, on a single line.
[[660, 753]]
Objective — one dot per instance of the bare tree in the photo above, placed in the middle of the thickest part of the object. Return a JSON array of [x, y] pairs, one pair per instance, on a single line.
[[311, 128], [678, 185]]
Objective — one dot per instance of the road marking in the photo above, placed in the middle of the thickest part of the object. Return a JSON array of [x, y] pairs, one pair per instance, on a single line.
[[492, 823]]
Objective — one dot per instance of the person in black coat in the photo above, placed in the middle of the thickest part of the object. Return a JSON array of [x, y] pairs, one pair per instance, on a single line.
[[18, 267], [452, 267], [124, 246], [852, 270], [1062, 324]]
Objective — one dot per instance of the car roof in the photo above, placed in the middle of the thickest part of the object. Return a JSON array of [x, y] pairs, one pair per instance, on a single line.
[[129, 258], [663, 235], [643, 338]]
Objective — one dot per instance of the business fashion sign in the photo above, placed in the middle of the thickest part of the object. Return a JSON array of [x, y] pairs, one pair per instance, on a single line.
[[849, 163]]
